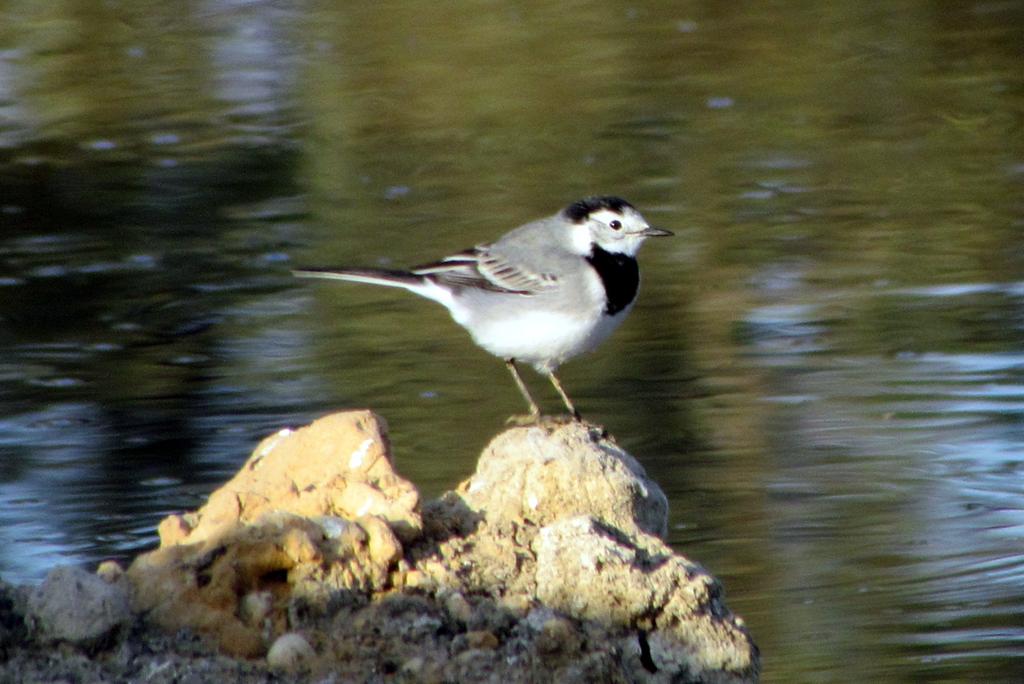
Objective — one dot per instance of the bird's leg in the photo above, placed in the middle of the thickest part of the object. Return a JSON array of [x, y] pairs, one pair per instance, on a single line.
[[565, 397], [534, 416]]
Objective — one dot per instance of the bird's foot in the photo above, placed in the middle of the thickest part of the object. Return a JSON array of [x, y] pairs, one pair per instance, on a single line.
[[524, 419], [549, 422]]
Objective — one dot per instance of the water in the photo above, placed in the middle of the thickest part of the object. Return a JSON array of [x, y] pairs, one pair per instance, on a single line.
[[825, 370]]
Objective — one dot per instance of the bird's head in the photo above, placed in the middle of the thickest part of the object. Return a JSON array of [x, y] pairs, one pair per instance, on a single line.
[[611, 223]]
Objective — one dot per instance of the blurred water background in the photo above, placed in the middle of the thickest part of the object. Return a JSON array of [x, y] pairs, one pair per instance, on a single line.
[[825, 369]]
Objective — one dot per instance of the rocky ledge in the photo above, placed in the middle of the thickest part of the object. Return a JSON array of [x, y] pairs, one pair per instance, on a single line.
[[318, 562]]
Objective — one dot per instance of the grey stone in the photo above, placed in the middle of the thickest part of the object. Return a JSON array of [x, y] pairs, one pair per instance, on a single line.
[[543, 475], [681, 626], [79, 608]]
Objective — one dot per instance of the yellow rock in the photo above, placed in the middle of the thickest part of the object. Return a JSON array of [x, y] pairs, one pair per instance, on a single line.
[[311, 511]]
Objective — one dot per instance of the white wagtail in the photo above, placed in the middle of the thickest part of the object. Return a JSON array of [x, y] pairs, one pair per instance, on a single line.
[[542, 293]]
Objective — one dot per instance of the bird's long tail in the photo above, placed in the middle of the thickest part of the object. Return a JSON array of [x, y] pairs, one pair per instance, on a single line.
[[422, 285], [371, 276]]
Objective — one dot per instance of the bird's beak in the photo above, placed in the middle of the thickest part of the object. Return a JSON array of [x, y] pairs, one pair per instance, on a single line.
[[651, 231]]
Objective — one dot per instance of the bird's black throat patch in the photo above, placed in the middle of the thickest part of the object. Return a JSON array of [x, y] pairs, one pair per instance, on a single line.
[[620, 276]]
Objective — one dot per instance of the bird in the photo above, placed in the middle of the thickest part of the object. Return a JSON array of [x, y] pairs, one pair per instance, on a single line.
[[541, 294]]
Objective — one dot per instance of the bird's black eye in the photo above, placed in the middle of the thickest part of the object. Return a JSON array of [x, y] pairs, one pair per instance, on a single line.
[[616, 224]]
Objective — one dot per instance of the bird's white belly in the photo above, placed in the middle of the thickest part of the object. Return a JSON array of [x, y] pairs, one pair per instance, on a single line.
[[542, 338]]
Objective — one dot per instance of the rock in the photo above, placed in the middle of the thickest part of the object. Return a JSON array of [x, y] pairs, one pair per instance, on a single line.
[[256, 608], [291, 652], [79, 608], [535, 474], [527, 478], [340, 465], [173, 529], [458, 607], [639, 582], [564, 519], [480, 639], [280, 557], [545, 565], [558, 633], [313, 513], [413, 667], [110, 572]]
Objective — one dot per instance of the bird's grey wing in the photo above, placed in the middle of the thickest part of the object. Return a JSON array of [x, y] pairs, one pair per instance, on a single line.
[[513, 274], [483, 268]]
